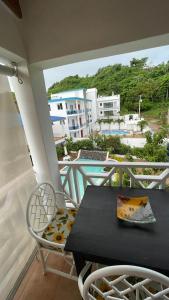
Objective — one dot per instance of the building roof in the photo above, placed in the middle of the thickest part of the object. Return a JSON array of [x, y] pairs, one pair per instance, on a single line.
[[72, 90], [67, 99], [56, 118]]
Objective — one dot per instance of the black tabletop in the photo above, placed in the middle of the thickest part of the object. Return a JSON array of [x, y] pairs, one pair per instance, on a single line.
[[99, 236]]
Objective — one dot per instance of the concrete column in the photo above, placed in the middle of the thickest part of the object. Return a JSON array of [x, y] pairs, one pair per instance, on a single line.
[[32, 101]]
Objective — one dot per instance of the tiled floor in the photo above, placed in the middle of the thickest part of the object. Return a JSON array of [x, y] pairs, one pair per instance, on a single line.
[[36, 286]]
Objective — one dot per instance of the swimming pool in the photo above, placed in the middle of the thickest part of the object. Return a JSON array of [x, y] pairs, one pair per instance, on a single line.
[[86, 169], [115, 132]]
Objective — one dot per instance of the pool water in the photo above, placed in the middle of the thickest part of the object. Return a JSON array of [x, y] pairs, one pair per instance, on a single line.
[[115, 132], [86, 169]]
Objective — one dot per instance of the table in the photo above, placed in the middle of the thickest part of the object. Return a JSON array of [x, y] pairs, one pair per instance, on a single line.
[[98, 236]]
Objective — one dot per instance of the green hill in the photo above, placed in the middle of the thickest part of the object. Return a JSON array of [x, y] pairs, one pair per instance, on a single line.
[[129, 81]]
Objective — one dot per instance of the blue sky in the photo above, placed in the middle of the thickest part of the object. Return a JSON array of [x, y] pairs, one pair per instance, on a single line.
[[90, 67]]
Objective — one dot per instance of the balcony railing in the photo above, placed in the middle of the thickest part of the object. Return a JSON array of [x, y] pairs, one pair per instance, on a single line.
[[75, 176], [74, 127], [74, 111]]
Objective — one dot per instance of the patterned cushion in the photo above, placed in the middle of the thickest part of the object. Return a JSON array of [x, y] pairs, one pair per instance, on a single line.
[[60, 227]]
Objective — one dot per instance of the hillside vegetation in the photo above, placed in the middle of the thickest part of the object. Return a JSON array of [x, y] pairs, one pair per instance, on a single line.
[[129, 81]]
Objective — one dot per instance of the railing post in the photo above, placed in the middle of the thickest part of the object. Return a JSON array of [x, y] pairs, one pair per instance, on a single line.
[[120, 177], [70, 184], [76, 185]]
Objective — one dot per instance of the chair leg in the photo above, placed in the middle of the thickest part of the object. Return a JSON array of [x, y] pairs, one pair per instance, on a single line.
[[42, 259]]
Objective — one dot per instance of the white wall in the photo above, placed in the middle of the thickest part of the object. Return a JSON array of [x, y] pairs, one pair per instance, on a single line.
[[73, 93], [58, 129], [91, 94]]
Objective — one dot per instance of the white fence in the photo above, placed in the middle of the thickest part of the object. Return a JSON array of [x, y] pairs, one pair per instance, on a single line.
[[76, 175]]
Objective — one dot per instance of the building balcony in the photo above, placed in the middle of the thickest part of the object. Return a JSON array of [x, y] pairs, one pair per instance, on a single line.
[[74, 127], [72, 112], [75, 111]]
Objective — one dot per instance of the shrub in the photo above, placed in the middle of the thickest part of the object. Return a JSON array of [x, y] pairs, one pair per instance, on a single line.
[[116, 157], [60, 152], [129, 157], [83, 144]]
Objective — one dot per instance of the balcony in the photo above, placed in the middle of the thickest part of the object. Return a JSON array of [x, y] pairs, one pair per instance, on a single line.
[[75, 178], [74, 181], [75, 112], [74, 127], [72, 112]]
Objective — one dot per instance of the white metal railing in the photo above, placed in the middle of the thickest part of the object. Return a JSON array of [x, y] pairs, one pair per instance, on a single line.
[[76, 175]]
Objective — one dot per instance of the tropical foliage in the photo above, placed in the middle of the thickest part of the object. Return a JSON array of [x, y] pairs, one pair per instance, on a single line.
[[154, 149], [139, 78]]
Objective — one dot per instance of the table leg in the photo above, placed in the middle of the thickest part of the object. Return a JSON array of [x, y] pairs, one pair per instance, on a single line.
[[79, 262]]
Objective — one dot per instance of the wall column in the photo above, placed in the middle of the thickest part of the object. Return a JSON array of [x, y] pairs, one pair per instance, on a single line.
[[33, 105]]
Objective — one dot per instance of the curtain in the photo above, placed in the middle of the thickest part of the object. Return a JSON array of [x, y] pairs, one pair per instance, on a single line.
[[16, 182]]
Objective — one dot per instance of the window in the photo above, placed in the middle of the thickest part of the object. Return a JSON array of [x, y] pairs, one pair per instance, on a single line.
[[101, 112], [66, 105], [108, 105], [108, 113], [60, 106], [101, 104]]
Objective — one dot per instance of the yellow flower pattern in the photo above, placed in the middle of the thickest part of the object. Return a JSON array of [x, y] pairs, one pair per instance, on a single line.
[[60, 226], [58, 237]]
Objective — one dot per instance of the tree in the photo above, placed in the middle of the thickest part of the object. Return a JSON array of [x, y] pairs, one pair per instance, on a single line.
[[128, 81], [119, 121], [139, 63], [99, 121], [142, 124], [154, 150]]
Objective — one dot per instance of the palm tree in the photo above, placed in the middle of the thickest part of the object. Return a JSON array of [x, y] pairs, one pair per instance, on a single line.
[[119, 121], [142, 124], [100, 121]]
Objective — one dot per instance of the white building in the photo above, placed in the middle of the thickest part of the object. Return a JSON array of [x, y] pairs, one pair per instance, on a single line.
[[77, 111], [92, 95], [108, 106]]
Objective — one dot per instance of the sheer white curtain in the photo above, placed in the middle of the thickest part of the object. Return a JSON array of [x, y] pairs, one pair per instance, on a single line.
[[16, 182]]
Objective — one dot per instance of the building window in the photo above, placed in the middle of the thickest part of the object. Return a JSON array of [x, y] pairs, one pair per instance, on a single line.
[[66, 105], [108, 113], [108, 105], [101, 112], [60, 106], [101, 104]]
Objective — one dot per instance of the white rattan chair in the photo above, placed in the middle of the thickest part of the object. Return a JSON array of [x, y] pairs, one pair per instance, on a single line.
[[123, 283], [51, 225]]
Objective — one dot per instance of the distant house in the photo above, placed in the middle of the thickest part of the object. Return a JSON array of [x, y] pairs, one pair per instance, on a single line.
[[76, 109], [108, 106]]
